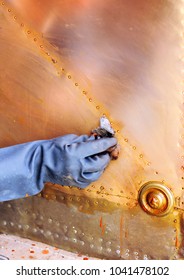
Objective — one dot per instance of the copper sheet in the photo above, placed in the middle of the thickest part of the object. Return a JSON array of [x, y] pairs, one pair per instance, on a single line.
[[89, 58]]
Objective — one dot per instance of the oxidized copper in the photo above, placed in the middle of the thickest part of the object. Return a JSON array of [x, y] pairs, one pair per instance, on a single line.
[[64, 64]]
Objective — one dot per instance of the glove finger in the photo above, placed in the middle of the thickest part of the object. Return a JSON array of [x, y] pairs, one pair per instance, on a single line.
[[96, 163], [71, 139], [94, 147]]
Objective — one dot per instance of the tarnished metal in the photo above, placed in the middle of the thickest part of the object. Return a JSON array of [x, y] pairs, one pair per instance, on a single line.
[[86, 59], [156, 199]]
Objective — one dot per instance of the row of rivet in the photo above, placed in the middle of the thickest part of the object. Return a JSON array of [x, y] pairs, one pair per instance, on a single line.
[[87, 202], [125, 254], [61, 71]]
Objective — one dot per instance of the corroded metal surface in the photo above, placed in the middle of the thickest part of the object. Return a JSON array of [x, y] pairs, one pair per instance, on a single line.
[[112, 234], [89, 58]]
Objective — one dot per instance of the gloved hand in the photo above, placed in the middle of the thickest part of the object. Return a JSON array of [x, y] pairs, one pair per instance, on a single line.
[[68, 160]]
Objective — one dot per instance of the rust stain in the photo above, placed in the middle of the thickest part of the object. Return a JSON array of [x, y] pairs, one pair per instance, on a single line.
[[85, 259], [45, 251], [32, 251], [102, 226]]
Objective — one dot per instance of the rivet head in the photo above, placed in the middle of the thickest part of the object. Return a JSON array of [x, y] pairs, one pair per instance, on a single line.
[[156, 199]]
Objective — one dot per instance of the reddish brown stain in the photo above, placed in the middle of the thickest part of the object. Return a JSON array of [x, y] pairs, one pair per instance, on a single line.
[[31, 257], [32, 251], [102, 226], [45, 251], [85, 259], [13, 250]]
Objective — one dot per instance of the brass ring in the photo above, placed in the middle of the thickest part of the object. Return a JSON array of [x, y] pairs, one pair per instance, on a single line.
[[156, 199]]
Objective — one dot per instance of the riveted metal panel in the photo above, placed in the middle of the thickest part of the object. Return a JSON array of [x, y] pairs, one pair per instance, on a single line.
[[84, 59]]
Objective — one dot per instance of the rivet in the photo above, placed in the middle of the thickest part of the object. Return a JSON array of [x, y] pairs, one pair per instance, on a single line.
[[126, 140], [156, 199], [35, 230], [76, 84], [26, 226], [19, 226], [41, 46], [56, 235], [49, 220], [69, 77], [175, 221], [65, 228], [97, 107], [9, 10], [134, 147], [2, 3], [100, 248], [15, 17], [48, 233], [28, 32], [4, 223], [9, 205], [12, 224], [22, 25], [92, 246], [74, 240], [141, 155], [90, 99], [35, 39], [118, 252], [84, 92], [82, 243]]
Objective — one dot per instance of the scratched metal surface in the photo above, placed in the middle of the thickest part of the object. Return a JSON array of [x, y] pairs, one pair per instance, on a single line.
[[121, 58], [112, 234]]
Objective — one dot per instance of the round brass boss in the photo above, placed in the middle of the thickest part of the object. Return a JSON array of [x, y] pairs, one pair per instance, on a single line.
[[156, 199]]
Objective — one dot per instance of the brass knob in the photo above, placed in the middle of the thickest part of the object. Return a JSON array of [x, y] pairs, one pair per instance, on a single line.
[[156, 198]]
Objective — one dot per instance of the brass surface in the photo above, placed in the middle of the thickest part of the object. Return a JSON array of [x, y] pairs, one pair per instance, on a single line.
[[156, 198], [63, 65]]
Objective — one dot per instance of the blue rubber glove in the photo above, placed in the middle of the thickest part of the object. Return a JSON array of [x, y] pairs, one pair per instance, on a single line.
[[69, 160]]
